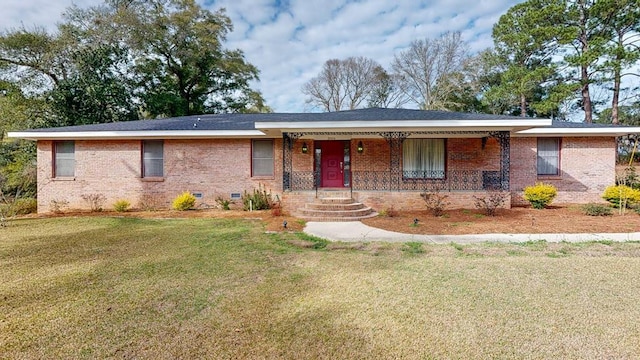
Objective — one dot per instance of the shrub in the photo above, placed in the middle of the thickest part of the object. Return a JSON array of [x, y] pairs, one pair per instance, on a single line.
[[621, 196], [436, 202], [491, 202], [121, 205], [57, 206], [184, 201], [629, 177], [597, 210], [224, 203], [260, 199], [540, 195], [389, 212], [95, 201]]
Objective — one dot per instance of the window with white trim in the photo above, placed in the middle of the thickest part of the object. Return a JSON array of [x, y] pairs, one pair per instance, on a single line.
[[64, 159], [262, 158], [548, 156], [152, 158], [423, 158]]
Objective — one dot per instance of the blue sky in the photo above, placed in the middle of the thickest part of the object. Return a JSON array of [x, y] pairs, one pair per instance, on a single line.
[[289, 40]]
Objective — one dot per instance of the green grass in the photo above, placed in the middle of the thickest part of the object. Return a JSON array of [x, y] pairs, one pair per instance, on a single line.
[[102, 287]]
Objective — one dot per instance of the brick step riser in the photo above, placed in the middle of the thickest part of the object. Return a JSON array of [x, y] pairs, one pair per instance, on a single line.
[[348, 213], [339, 219], [336, 200], [322, 206], [334, 194]]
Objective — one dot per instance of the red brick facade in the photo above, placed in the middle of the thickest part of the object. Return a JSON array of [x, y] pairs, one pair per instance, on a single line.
[[219, 167], [587, 167], [113, 168]]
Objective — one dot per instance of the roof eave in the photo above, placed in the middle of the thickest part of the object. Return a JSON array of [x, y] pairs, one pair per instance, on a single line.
[[600, 131], [123, 135], [406, 125]]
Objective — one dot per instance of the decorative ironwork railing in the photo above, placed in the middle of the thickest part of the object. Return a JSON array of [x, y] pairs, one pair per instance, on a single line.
[[453, 180]]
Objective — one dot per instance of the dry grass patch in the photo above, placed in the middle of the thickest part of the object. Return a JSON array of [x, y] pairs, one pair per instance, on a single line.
[[100, 287]]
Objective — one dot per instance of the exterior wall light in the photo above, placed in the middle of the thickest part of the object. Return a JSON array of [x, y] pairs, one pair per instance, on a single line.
[[360, 147], [305, 148]]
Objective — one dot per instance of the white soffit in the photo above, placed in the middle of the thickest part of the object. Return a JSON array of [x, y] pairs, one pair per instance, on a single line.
[[406, 125], [596, 131], [147, 134]]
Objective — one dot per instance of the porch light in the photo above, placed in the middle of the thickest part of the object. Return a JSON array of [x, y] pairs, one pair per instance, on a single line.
[[360, 147], [304, 147]]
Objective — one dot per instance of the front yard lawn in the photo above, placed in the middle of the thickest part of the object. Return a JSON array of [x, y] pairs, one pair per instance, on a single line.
[[101, 287]]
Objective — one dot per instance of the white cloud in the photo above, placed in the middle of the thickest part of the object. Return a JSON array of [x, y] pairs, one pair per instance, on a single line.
[[290, 43]]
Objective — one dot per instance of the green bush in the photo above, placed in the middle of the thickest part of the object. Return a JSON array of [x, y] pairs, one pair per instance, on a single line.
[[260, 199], [21, 206], [184, 201], [621, 196], [121, 205], [597, 210], [540, 195]]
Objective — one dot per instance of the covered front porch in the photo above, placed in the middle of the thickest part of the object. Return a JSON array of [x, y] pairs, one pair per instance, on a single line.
[[394, 161]]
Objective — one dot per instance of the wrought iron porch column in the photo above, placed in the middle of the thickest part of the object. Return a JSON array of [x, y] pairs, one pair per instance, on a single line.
[[288, 139], [395, 140], [504, 139]]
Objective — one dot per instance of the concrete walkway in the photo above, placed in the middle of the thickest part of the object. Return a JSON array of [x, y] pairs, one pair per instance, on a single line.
[[356, 231]]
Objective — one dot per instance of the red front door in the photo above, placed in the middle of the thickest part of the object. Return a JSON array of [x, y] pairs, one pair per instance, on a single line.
[[332, 164]]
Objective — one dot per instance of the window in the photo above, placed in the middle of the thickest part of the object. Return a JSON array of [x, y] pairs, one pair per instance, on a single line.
[[65, 159], [548, 156], [262, 158], [152, 158], [423, 158]]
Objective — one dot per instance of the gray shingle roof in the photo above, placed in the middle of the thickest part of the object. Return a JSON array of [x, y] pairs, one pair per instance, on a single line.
[[247, 121]]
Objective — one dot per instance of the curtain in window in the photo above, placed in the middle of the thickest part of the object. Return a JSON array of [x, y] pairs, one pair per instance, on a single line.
[[548, 156], [153, 158], [65, 159], [423, 158], [262, 158]]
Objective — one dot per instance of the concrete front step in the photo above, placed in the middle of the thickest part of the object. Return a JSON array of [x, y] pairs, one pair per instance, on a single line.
[[336, 208], [334, 200], [336, 213], [339, 219]]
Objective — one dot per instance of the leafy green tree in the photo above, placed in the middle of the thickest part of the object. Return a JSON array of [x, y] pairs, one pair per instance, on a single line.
[[622, 51], [97, 92], [181, 66], [524, 39], [17, 157]]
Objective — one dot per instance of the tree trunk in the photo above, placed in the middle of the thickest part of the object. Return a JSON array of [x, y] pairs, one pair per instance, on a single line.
[[586, 97], [584, 67], [523, 105], [616, 97]]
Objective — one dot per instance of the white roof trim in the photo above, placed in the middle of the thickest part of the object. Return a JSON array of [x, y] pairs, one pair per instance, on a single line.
[[600, 131], [403, 124], [143, 134]]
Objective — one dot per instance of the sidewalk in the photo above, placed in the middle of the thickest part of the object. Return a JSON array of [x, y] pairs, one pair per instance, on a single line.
[[356, 231]]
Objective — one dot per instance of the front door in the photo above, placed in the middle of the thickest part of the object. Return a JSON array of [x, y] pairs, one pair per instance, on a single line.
[[332, 165]]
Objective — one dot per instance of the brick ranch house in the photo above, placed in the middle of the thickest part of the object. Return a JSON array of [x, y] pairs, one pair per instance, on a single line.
[[379, 157]]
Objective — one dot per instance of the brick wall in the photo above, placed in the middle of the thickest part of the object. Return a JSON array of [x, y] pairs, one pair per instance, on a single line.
[[113, 168], [587, 166], [220, 167]]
